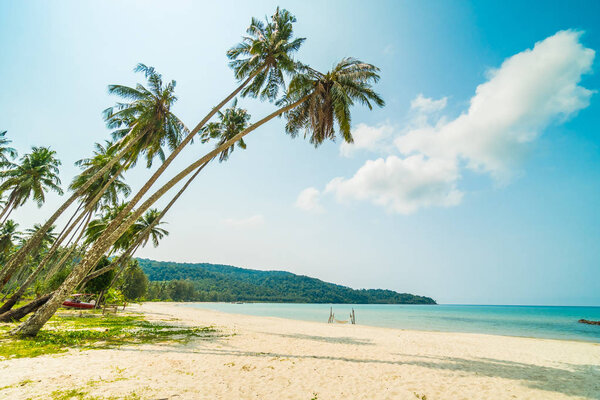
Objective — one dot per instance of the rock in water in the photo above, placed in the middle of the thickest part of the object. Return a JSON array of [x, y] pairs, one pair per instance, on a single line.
[[585, 321]]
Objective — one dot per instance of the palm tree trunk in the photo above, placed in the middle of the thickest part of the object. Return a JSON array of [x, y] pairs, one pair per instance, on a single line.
[[19, 293], [140, 238], [8, 208], [60, 263], [60, 235], [15, 315], [33, 243], [138, 196], [32, 326]]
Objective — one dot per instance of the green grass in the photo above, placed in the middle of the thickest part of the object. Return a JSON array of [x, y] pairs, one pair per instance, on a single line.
[[93, 331], [80, 394]]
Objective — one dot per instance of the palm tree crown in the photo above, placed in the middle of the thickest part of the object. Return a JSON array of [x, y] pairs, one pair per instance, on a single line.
[[330, 97], [266, 52], [148, 220], [8, 236], [5, 151], [231, 122], [48, 238], [146, 116], [103, 154], [33, 177]]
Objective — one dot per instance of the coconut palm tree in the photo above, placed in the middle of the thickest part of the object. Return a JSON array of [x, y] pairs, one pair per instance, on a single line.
[[144, 229], [268, 50], [147, 115], [265, 55], [9, 235], [6, 153], [231, 122], [331, 96], [36, 174], [103, 154], [154, 126], [332, 93], [48, 239], [98, 226]]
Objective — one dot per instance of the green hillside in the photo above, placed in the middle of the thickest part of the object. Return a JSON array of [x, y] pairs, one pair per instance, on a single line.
[[214, 282]]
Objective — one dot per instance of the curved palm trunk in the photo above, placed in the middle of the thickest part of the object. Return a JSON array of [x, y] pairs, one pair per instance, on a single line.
[[32, 277], [34, 242], [141, 236], [37, 320], [8, 208], [60, 235], [144, 189]]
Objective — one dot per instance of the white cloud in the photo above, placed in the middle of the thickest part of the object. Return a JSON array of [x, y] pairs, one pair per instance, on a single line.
[[372, 138], [428, 105], [401, 185], [310, 200], [252, 221], [522, 97], [508, 112]]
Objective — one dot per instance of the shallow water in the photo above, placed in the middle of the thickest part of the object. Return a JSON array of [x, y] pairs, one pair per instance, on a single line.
[[529, 321]]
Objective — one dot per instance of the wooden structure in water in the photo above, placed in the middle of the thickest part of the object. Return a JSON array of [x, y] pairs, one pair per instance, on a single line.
[[332, 319]]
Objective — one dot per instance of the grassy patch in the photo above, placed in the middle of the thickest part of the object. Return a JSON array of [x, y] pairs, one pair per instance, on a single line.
[[80, 394], [94, 331]]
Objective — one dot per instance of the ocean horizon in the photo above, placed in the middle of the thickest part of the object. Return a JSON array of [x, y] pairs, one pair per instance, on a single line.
[[545, 322]]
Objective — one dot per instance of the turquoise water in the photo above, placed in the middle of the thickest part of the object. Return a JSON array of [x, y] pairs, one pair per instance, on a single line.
[[530, 321]]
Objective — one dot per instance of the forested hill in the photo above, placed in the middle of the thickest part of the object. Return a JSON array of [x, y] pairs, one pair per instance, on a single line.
[[214, 282]]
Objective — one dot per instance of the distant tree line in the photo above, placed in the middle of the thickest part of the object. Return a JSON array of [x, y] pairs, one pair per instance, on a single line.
[[211, 282]]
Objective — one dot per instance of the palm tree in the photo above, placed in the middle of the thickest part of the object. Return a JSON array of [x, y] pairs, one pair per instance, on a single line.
[[102, 155], [98, 226], [8, 236], [48, 239], [331, 96], [333, 93], [151, 108], [36, 174], [265, 55], [231, 122], [147, 116], [106, 189], [5, 151], [268, 50], [146, 228]]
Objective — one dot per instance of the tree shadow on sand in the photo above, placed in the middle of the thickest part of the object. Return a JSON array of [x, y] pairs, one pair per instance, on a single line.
[[571, 380], [325, 339]]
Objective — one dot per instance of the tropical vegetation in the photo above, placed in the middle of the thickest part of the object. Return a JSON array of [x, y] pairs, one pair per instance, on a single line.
[[107, 222]]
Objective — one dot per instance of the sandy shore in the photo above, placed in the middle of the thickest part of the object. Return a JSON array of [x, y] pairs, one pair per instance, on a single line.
[[272, 358]]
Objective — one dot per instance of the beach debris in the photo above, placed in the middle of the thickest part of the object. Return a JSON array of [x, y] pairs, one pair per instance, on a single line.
[[587, 321]]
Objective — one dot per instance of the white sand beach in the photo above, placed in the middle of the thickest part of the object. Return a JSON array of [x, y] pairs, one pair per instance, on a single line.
[[273, 358]]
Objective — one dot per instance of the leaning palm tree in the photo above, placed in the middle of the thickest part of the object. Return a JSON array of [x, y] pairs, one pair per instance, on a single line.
[[349, 82], [48, 239], [146, 119], [6, 153], [260, 62], [103, 154], [105, 190], [231, 122], [8, 237], [146, 228], [147, 115], [36, 174]]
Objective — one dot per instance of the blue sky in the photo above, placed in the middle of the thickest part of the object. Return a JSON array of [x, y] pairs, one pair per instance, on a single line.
[[479, 182]]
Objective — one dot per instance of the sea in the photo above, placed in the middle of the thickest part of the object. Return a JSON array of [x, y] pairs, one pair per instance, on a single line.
[[550, 322]]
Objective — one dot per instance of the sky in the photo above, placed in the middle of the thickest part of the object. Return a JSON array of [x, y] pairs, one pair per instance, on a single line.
[[477, 183]]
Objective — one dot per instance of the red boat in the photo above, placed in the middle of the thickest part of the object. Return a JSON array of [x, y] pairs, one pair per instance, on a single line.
[[76, 302]]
